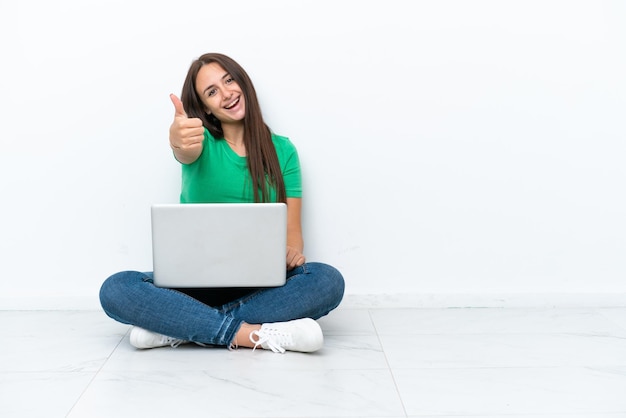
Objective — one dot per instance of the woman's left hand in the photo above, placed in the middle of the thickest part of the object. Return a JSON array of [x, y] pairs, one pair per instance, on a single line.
[[294, 258]]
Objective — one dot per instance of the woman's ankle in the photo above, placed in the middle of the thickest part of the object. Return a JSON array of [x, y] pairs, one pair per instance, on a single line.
[[242, 338]]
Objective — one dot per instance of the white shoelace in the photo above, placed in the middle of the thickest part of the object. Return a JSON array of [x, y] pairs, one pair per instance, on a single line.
[[272, 338], [171, 341]]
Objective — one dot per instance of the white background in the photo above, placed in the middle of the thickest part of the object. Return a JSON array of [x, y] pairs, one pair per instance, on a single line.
[[469, 150]]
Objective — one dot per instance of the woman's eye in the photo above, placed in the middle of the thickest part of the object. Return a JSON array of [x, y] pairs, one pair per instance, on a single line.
[[229, 80], [211, 93]]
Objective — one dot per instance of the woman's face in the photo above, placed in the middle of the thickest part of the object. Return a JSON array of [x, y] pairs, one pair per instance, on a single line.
[[220, 94]]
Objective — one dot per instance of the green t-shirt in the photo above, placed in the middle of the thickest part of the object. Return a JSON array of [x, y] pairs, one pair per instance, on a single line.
[[219, 175]]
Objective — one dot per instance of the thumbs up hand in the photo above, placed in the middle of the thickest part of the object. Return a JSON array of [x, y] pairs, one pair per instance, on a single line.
[[186, 134]]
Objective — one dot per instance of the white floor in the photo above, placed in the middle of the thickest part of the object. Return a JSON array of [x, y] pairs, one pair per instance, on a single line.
[[376, 363]]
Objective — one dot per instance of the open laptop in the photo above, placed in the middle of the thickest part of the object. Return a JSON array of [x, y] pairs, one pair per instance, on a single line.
[[219, 244]]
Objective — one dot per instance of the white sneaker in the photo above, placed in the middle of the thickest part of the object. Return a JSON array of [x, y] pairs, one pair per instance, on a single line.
[[303, 335], [142, 338]]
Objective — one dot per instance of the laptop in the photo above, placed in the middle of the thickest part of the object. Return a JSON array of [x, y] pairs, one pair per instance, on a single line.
[[219, 244]]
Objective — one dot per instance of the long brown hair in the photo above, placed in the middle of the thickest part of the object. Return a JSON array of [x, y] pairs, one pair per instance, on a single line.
[[257, 137]]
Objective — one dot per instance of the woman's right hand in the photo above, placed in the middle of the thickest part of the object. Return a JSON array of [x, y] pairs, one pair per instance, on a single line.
[[186, 134]]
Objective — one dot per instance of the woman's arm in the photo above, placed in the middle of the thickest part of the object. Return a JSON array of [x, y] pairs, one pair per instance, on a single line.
[[295, 242]]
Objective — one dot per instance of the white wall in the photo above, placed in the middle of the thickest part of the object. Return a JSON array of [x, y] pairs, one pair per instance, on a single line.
[[454, 152]]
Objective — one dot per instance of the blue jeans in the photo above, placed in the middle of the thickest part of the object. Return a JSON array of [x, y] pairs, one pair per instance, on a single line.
[[312, 291]]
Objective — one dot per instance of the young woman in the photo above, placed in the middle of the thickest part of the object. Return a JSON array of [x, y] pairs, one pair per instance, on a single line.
[[229, 154]]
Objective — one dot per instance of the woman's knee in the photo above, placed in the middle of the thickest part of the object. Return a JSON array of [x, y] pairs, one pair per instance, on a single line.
[[117, 288], [332, 281]]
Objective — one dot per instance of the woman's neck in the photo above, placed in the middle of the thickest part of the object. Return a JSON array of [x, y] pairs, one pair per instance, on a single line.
[[233, 134]]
